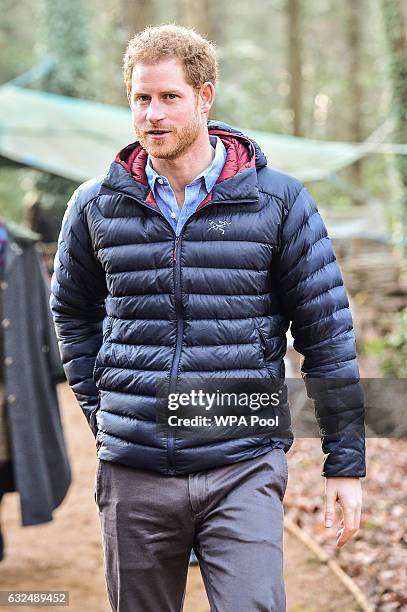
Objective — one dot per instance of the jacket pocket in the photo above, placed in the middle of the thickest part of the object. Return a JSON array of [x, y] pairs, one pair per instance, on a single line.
[[106, 335], [263, 343]]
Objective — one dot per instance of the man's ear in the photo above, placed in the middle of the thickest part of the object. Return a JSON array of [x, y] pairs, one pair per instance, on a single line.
[[207, 96]]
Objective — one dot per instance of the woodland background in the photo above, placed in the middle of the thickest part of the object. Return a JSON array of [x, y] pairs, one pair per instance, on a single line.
[[320, 69]]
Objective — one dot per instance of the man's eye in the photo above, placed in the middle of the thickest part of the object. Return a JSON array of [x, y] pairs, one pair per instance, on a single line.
[[171, 96], [142, 99]]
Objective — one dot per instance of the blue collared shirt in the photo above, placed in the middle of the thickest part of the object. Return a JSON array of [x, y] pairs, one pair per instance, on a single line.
[[195, 192]]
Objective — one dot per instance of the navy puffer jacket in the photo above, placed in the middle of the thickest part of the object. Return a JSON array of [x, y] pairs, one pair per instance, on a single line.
[[132, 303]]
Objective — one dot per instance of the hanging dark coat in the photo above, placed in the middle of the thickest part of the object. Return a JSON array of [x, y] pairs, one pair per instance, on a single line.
[[32, 368]]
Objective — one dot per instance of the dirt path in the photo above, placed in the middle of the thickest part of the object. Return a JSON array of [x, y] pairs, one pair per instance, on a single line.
[[66, 553]]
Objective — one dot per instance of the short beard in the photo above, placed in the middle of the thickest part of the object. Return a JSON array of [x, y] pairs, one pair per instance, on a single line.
[[184, 139]]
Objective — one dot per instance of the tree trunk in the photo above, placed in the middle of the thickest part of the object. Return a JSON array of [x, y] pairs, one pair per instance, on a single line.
[[65, 37], [64, 33], [356, 132], [293, 8], [395, 25], [197, 14], [138, 15]]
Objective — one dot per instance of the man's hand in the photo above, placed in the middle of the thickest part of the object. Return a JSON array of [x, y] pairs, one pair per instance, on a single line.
[[348, 491]]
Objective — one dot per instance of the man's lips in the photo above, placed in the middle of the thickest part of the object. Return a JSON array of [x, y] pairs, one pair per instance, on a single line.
[[157, 134], [154, 132]]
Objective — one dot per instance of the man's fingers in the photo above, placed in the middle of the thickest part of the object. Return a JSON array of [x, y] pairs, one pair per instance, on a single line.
[[349, 495], [343, 536], [330, 499], [358, 513], [349, 525], [349, 516]]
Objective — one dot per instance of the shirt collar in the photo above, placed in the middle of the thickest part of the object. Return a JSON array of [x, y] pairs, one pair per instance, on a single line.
[[210, 175], [151, 174]]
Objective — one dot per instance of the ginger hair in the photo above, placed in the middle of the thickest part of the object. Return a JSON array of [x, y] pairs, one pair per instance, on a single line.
[[197, 55]]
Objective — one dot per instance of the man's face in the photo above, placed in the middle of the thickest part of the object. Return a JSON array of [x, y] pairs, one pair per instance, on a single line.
[[166, 110]]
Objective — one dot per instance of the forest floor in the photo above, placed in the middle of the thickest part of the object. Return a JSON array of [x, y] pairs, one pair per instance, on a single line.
[[66, 554]]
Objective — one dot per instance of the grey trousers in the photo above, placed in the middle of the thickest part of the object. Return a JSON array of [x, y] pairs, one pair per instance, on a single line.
[[232, 516]]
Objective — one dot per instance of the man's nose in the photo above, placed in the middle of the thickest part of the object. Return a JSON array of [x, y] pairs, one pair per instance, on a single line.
[[155, 112]]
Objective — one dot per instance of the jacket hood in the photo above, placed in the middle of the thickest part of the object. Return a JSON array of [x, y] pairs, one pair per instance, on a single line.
[[237, 179]]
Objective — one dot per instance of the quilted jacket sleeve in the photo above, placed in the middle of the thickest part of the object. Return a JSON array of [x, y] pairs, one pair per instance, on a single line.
[[315, 300], [50, 346], [78, 291]]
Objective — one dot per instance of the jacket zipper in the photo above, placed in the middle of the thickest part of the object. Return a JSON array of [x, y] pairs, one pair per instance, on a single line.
[[178, 310], [180, 332], [178, 345]]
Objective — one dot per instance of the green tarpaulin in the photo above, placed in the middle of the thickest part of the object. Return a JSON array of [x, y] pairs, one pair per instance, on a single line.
[[77, 139]]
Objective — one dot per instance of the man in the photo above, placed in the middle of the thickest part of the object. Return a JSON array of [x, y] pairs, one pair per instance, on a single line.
[[190, 259]]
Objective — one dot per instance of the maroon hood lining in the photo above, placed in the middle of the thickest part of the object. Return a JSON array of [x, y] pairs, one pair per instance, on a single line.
[[238, 158]]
